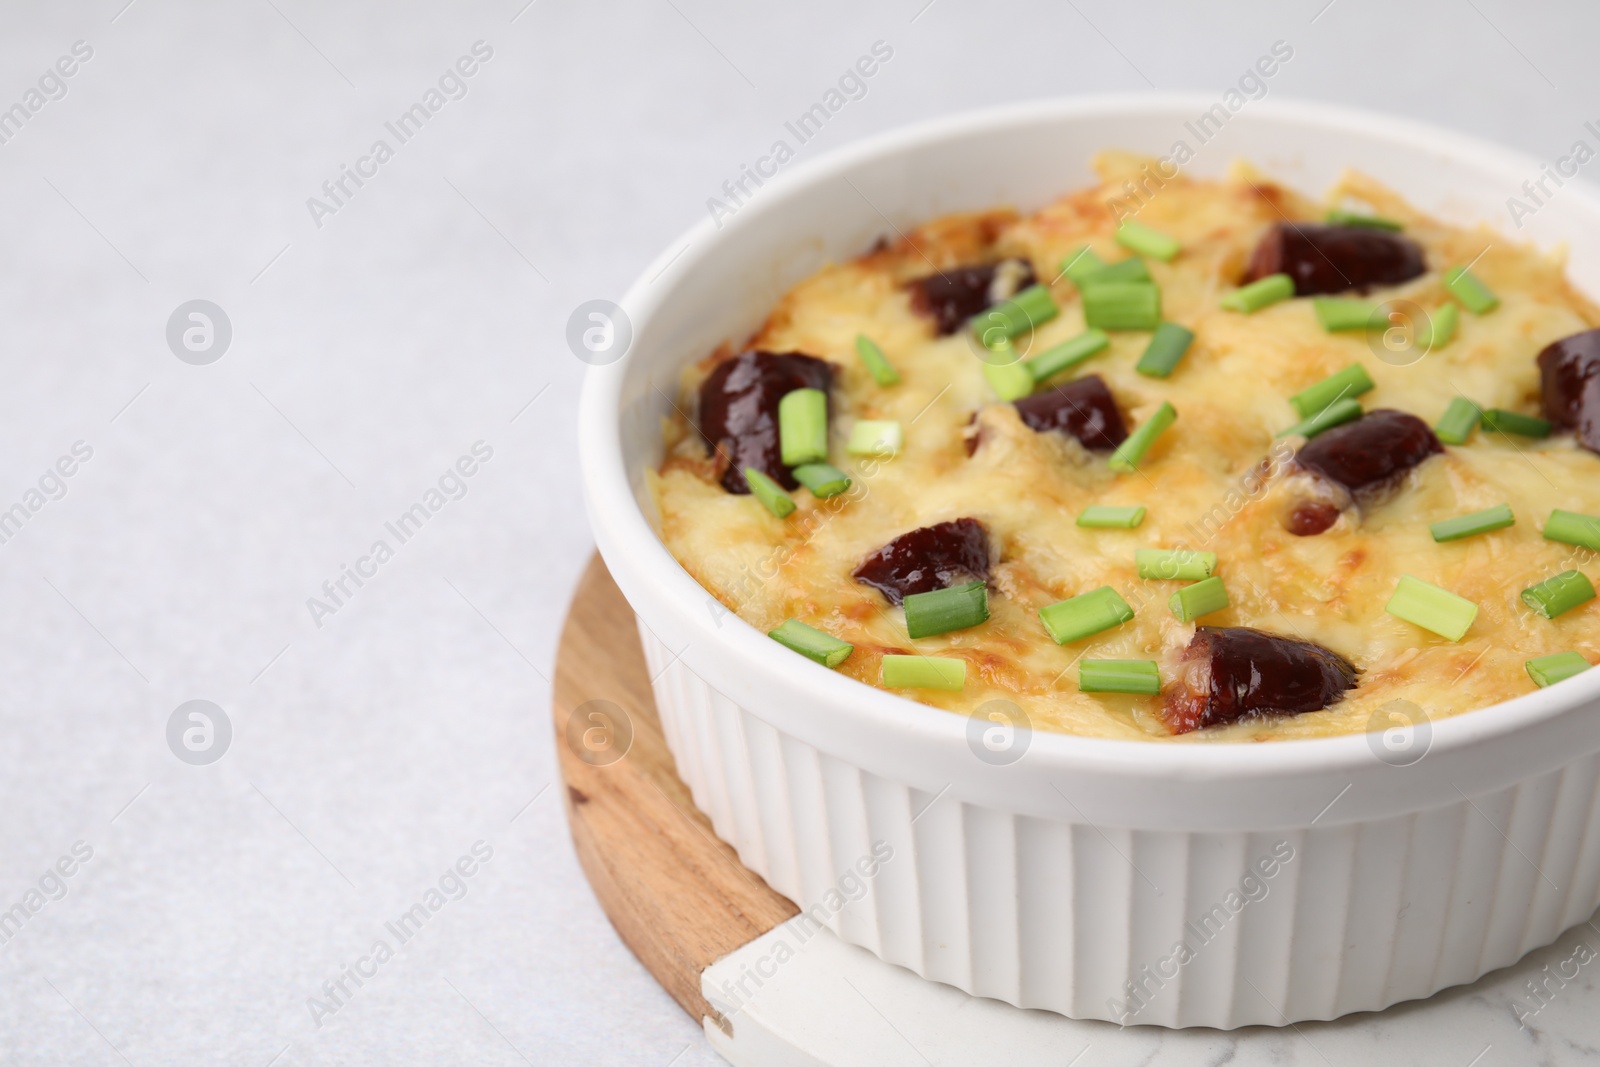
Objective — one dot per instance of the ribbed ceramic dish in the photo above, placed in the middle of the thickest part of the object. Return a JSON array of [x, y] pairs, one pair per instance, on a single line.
[[1302, 879]]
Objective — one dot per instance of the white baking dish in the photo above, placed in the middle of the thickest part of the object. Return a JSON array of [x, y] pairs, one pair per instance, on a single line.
[[1057, 880]]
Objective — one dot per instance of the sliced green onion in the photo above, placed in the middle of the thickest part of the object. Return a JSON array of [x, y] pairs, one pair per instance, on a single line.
[[1132, 450], [1559, 595], [1458, 421], [1338, 217], [1175, 564], [803, 426], [1432, 608], [875, 437], [1112, 518], [1119, 676], [1441, 327], [769, 492], [1137, 237], [1259, 294], [1167, 346], [1465, 287], [878, 364], [822, 479], [1201, 598], [1479, 522], [1335, 414], [1571, 528], [1029, 308], [1122, 306], [1010, 381], [1501, 421], [1548, 670], [924, 672], [1053, 361], [1336, 315], [1131, 269], [1080, 264], [1086, 615], [1346, 384], [812, 643], [942, 610]]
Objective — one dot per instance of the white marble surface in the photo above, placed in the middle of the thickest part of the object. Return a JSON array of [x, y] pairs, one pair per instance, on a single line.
[[368, 355], [1538, 1012]]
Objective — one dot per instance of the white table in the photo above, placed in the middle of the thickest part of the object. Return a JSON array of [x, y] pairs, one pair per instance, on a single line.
[[368, 354]]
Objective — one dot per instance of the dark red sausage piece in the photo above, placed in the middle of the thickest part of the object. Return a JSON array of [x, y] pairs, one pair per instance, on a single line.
[[1228, 673], [1335, 259], [1569, 373], [953, 296], [933, 557], [1083, 408], [739, 410], [1311, 518], [1371, 451]]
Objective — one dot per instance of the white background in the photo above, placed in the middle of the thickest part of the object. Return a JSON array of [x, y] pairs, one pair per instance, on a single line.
[[367, 355]]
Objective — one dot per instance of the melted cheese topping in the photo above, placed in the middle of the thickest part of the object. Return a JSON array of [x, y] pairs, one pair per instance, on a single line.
[[1200, 482]]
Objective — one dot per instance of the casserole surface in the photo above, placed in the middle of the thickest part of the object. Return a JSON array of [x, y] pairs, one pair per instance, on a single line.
[[1204, 483]]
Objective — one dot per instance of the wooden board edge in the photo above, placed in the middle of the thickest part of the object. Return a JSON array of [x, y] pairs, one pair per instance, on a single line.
[[677, 895]]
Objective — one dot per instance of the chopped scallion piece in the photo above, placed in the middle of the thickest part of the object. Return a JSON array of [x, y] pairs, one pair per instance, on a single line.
[[1174, 564], [878, 364], [1112, 518], [1338, 217], [1259, 294], [1495, 518], [1201, 598], [822, 479], [812, 643], [1030, 308], [1131, 269], [1465, 287], [1137, 237], [1335, 414], [1010, 381], [1080, 264], [942, 610], [769, 492], [1458, 421], [1478, 522], [875, 437], [1571, 528], [1440, 327], [1336, 315], [1167, 346], [1558, 595], [1432, 608], [1548, 670], [1122, 306], [925, 672], [1119, 676], [1501, 421], [803, 426], [1346, 384], [1086, 615], [1131, 452], [1067, 354]]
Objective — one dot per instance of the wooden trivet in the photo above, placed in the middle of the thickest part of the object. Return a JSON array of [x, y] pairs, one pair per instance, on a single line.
[[678, 896]]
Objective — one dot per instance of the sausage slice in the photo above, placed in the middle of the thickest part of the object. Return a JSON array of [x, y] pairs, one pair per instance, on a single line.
[[1083, 408], [1335, 259], [929, 558], [1228, 673], [739, 411]]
